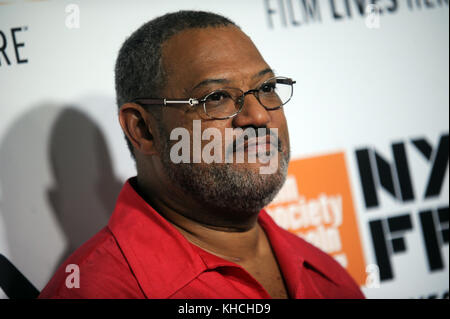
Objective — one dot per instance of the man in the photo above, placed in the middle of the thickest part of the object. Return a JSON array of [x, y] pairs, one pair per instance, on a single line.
[[196, 228]]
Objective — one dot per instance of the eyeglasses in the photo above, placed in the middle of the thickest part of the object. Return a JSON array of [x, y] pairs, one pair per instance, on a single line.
[[226, 103]]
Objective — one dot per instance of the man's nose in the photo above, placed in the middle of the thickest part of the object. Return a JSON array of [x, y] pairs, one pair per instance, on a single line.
[[253, 113]]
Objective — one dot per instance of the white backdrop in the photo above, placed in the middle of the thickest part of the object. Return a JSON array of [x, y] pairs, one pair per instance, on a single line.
[[362, 83]]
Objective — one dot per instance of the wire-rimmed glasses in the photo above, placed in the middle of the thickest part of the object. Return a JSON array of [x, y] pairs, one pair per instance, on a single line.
[[228, 102]]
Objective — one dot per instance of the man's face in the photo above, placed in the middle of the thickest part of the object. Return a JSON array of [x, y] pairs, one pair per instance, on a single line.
[[229, 58]]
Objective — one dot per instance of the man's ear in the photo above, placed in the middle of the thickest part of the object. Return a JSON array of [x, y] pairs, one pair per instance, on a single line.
[[135, 124]]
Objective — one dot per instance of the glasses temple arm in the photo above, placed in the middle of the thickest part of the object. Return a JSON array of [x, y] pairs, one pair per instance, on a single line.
[[165, 102]]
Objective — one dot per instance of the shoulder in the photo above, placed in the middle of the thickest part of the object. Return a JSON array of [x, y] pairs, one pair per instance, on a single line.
[[97, 269]]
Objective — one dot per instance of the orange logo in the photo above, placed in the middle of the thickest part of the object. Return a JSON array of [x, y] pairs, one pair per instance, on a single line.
[[316, 204]]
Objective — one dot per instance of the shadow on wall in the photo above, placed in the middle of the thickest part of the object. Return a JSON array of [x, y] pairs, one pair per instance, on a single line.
[[86, 188], [57, 185]]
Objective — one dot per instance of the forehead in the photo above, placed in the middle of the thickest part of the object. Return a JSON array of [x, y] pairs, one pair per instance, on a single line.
[[223, 52]]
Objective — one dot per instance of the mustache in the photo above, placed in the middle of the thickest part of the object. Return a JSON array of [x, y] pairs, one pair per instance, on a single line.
[[256, 133]]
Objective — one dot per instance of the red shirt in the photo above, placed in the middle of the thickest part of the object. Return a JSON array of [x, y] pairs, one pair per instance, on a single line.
[[139, 254]]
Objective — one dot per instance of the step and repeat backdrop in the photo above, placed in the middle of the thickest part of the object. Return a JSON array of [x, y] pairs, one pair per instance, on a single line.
[[369, 127]]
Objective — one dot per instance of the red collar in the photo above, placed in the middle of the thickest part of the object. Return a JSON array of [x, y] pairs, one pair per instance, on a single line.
[[139, 229]]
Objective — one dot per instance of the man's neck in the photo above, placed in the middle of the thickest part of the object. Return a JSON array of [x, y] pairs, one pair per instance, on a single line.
[[236, 243]]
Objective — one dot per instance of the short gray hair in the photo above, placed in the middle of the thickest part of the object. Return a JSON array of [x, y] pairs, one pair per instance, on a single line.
[[139, 71]]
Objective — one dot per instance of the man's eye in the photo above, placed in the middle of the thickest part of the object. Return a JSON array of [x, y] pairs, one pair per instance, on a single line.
[[268, 88], [218, 96]]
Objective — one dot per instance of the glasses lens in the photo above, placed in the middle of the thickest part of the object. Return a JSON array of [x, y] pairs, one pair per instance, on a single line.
[[223, 103], [275, 92]]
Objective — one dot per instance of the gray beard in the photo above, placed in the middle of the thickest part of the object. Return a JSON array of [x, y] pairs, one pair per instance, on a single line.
[[228, 187]]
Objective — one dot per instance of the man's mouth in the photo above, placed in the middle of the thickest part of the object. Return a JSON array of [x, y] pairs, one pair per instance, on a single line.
[[259, 145], [262, 145]]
